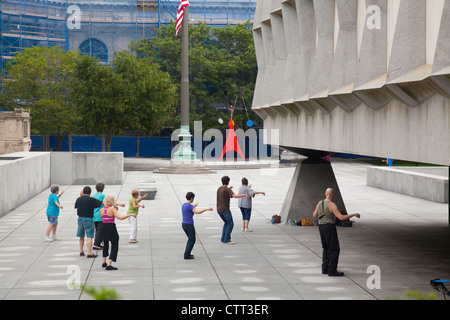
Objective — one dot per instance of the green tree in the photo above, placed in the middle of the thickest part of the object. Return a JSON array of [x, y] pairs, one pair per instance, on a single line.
[[128, 94], [222, 65], [38, 78]]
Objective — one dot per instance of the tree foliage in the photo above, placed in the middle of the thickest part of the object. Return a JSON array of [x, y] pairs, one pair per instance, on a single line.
[[128, 94], [39, 78], [69, 93], [222, 65]]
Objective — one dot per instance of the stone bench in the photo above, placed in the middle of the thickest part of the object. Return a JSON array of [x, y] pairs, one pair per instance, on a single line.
[[429, 183], [147, 187]]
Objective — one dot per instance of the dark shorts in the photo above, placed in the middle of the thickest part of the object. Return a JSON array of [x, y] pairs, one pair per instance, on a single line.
[[246, 213]]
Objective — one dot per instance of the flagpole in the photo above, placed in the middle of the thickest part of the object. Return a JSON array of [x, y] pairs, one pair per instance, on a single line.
[[185, 70], [184, 151]]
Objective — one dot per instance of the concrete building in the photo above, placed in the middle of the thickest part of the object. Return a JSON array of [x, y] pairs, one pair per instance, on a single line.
[[366, 77]]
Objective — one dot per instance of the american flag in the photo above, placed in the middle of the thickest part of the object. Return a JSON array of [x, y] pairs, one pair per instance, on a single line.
[[183, 4]]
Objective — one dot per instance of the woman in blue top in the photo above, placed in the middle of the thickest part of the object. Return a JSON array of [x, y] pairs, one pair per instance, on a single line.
[[188, 210], [53, 212]]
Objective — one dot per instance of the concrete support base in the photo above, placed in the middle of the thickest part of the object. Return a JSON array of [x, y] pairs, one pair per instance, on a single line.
[[311, 178]]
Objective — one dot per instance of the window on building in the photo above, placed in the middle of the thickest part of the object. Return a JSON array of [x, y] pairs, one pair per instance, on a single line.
[[95, 48], [25, 129]]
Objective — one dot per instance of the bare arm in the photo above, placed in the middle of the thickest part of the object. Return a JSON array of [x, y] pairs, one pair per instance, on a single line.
[[197, 211], [136, 203], [119, 216], [316, 212], [56, 202], [240, 196], [144, 196], [334, 209]]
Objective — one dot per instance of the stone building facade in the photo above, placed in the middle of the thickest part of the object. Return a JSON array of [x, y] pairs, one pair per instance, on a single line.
[[15, 131]]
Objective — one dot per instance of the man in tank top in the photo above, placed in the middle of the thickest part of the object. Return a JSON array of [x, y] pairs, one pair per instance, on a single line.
[[327, 212]]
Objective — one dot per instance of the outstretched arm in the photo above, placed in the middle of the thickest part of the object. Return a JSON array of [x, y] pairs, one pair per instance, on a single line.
[[119, 216], [333, 208], [197, 211], [240, 196], [144, 196]]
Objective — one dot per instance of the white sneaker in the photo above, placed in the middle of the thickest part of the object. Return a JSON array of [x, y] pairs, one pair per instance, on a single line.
[[56, 238], [48, 239], [248, 230], [230, 242]]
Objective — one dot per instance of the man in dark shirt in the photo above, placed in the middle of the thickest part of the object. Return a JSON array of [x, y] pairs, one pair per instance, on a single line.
[[85, 206], [224, 194]]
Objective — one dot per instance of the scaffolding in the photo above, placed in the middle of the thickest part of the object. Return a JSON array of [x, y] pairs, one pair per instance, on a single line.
[[26, 24], [101, 27]]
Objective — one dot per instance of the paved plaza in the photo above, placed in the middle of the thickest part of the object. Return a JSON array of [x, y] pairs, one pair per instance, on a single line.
[[406, 238]]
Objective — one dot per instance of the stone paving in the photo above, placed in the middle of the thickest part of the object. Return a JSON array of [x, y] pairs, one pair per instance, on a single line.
[[406, 238]]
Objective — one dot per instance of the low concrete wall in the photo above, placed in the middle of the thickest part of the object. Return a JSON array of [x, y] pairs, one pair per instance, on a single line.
[[86, 168], [23, 176], [430, 183]]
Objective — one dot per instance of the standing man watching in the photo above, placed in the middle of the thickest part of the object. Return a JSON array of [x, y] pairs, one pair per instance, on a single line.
[[327, 212], [224, 194], [85, 206]]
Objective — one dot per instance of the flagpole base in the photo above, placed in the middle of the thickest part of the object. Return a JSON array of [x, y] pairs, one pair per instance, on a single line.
[[184, 159], [184, 152]]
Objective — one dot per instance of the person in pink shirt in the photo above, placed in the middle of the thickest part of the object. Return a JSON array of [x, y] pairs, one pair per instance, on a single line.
[[108, 214]]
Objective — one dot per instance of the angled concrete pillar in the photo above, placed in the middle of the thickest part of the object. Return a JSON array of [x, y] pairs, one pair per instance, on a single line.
[[311, 178]]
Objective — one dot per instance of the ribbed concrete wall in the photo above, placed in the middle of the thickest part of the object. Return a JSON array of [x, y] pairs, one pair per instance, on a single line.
[[369, 77]]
